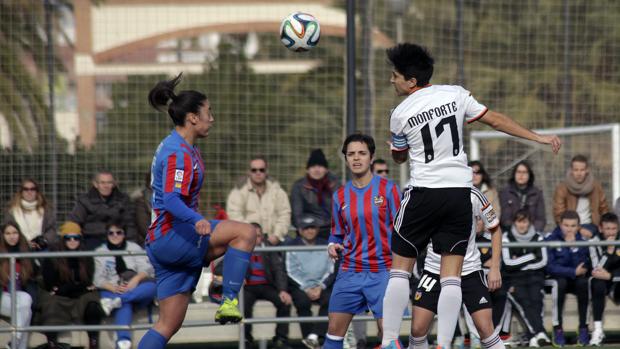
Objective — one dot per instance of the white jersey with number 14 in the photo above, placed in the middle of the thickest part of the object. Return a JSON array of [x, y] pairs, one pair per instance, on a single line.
[[429, 123]]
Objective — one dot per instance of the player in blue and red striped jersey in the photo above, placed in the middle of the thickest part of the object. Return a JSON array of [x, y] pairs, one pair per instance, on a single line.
[[362, 220], [180, 241]]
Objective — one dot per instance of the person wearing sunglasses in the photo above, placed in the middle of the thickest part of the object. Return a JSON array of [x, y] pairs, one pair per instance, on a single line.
[[380, 168], [125, 282], [33, 214], [262, 200], [68, 294]]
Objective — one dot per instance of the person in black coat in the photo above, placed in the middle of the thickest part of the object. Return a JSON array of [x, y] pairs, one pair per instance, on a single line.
[[521, 193], [68, 294], [103, 203]]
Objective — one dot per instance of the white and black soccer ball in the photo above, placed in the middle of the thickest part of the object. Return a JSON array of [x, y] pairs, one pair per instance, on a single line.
[[300, 31]]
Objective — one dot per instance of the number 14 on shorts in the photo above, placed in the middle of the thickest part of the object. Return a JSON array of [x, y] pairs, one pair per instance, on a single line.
[[427, 283]]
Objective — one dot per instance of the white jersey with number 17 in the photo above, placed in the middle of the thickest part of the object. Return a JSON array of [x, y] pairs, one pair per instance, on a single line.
[[429, 123]]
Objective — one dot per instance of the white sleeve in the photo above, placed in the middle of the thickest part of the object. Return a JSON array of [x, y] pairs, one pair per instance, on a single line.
[[473, 109], [483, 208], [397, 125]]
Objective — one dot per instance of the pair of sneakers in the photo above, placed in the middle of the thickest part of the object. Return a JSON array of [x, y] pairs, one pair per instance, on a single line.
[[583, 337], [311, 341]]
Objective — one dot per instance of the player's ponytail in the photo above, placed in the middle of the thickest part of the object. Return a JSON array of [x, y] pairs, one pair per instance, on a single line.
[[163, 98]]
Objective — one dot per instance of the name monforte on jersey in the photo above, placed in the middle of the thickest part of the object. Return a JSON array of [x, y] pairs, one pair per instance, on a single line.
[[435, 112]]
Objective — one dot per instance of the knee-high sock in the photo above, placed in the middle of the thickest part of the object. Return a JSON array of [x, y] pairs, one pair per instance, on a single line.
[[235, 266], [493, 342], [152, 340], [333, 342], [418, 342], [394, 303], [448, 308]]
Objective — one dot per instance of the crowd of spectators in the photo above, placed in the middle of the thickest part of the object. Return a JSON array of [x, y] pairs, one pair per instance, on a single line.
[[85, 290]]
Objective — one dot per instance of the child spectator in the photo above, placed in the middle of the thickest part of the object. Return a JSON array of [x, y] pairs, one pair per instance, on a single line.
[[266, 279], [605, 273], [13, 241], [30, 211], [525, 273], [126, 282], [68, 294], [568, 268], [311, 275]]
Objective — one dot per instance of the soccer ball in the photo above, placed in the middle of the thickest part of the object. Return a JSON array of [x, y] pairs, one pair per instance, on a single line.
[[300, 31]]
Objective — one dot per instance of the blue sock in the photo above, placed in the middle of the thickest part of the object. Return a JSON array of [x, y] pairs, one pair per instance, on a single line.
[[235, 266], [152, 340], [333, 342]]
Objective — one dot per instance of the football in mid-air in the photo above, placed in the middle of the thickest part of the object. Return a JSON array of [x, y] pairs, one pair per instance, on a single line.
[[300, 31]]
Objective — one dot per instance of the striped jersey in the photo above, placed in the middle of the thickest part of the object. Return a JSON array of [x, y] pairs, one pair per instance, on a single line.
[[429, 125], [256, 274], [481, 209], [362, 221], [177, 173]]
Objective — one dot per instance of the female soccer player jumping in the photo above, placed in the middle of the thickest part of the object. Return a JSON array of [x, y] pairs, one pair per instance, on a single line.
[[362, 220], [180, 241]]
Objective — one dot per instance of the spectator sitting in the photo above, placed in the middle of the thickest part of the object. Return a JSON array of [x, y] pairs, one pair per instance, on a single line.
[[482, 181], [261, 200], [267, 280], [143, 209], [125, 282], [605, 274], [568, 268], [520, 193], [13, 241], [582, 193], [312, 195], [311, 275], [30, 211], [525, 272], [380, 168], [101, 204], [68, 294]]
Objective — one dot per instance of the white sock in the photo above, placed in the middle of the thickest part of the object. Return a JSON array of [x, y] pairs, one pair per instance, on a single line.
[[598, 325], [417, 342], [493, 342], [394, 303], [448, 308]]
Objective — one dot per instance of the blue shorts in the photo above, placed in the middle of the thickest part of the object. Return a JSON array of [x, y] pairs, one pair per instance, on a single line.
[[355, 292], [178, 259]]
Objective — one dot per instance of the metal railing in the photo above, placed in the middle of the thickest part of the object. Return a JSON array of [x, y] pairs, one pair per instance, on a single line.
[[14, 329]]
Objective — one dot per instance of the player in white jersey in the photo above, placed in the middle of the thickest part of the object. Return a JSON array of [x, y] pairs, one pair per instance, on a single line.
[[476, 296], [427, 129]]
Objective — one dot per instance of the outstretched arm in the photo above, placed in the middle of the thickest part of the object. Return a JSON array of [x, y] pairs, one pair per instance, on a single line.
[[505, 124]]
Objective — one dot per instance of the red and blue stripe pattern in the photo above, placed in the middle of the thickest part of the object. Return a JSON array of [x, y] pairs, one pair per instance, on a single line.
[[257, 275], [177, 169], [362, 221]]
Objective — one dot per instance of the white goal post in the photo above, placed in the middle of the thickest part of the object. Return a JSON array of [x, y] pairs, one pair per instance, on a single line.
[[614, 129]]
